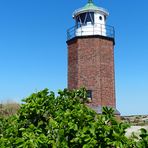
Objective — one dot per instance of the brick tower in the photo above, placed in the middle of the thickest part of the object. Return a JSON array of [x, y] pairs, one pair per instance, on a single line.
[[91, 56]]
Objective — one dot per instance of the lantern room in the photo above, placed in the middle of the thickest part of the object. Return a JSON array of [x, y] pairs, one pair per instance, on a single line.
[[90, 20]]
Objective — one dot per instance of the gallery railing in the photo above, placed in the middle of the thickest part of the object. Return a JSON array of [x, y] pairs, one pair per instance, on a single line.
[[87, 30]]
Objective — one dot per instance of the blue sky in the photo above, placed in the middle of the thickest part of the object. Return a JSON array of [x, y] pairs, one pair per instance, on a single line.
[[33, 50]]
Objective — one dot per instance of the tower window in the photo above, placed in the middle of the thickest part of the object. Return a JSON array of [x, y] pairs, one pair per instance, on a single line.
[[89, 94], [100, 18]]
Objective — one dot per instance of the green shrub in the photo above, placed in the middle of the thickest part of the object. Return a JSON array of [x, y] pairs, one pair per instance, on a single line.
[[45, 120]]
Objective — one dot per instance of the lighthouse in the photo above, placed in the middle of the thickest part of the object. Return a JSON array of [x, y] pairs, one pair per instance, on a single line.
[[91, 56]]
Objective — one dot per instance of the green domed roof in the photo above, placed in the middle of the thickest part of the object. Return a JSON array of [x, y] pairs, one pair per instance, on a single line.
[[90, 6]]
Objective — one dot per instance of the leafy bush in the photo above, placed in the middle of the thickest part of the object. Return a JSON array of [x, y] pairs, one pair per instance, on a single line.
[[45, 120]]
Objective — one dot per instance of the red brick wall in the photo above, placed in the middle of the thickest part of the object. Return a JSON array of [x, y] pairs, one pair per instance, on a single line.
[[91, 64]]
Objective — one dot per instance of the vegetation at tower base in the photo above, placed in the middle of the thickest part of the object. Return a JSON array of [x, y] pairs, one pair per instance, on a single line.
[[45, 120]]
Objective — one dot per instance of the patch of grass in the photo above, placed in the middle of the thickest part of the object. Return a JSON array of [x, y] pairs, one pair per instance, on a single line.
[[8, 109], [137, 120]]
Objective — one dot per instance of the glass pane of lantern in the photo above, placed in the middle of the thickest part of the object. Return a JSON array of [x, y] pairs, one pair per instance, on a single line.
[[82, 17], [88, 18], [78, 22], [92, 16]]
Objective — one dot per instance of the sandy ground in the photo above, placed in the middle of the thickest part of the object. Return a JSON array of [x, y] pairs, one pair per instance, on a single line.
[[135, 129]]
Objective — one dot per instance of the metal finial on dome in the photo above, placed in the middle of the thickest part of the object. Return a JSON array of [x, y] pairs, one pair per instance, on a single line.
[[90, 1]]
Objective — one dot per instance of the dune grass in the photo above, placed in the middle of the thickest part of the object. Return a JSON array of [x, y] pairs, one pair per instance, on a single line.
[[8, 108]]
